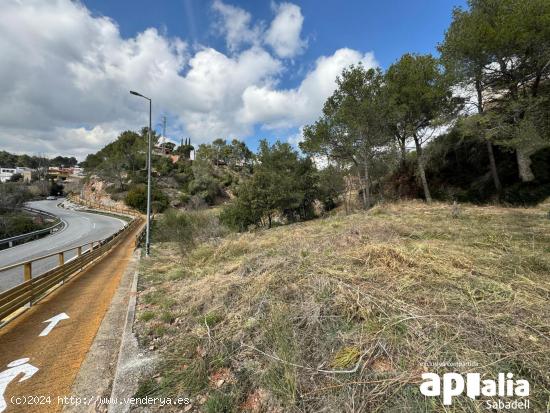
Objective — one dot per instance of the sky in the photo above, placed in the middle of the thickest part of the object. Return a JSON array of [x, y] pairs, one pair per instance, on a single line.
[[245, 69]]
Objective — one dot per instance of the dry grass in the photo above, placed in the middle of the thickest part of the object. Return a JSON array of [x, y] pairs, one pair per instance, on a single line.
[[342, 314]]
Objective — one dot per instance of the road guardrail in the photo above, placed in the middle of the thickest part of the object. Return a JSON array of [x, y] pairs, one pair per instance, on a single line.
[[126, 211], [10, 241], [93, 204], [34, 234], [36, 287]]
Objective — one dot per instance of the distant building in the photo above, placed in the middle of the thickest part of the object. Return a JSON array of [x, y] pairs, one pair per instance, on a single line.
[[7, 173], [77, 171], [26, 173], [59, 172]]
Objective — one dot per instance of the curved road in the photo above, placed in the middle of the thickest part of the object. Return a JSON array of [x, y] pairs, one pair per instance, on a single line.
[[80, 228]]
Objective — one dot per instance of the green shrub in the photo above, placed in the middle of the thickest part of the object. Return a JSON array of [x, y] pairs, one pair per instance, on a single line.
[[207, 187], [238, 216], [13, 195], [174, 226], [18, 223], [283, 184], [526, 193], [184, 198], [163, 165], [187, 228], [196, 203], [137, 198]]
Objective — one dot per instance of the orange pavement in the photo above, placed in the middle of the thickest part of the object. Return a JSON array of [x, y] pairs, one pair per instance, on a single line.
[[58, 356]]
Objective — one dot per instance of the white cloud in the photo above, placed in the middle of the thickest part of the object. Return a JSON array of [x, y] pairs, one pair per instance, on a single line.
[[65, 70], [235, 25], [283, 34], [287, 108], [65, 77], [285, 30]]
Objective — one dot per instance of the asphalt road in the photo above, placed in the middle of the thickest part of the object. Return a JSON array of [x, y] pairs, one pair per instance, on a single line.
[[53, 353], [80, 228]]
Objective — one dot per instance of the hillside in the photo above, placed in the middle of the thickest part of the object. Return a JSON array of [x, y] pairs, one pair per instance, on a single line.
[[345, 313]]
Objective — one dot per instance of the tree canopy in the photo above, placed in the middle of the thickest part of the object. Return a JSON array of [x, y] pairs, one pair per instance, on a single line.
[[283, 184]]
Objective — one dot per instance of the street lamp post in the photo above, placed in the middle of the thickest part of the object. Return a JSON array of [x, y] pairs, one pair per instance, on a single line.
[[148, 225]]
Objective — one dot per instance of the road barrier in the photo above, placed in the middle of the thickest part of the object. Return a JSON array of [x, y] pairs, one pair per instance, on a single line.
[[11, 241], [93, 204], [126, 211], [34, 288]]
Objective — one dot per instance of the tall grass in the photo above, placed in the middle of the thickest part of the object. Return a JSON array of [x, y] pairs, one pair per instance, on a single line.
[[188, 228], [344, 314]]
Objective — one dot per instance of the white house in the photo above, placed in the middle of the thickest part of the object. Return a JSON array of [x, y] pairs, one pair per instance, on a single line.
[[6, 174]]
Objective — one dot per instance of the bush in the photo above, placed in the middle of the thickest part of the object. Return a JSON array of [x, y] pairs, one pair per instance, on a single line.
[[283, 184], [163, 165], [137, 198], [187, 228], [13, 195], [207, 187], [18, 223], [237, 216], [175, 227], [17, 177], [114, 189], [331, 185], [184, 198], [528, 193], [196, 203]]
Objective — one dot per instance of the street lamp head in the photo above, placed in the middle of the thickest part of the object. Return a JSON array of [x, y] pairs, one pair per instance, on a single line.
[[139, 94]]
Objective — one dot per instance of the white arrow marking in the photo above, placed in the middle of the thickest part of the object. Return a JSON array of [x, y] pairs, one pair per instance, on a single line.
[[53, 322], [15, 368]]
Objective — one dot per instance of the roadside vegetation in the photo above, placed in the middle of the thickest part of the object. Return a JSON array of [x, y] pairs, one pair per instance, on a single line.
[[343, 313], [17, 223], [14, 221]]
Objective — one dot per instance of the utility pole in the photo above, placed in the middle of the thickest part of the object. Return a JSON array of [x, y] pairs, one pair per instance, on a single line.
[[148, 222]]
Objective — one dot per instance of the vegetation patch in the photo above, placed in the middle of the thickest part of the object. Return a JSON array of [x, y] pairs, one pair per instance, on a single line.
[[346, 313]]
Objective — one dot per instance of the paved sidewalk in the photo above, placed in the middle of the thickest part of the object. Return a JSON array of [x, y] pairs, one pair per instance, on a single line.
[[59, 355]]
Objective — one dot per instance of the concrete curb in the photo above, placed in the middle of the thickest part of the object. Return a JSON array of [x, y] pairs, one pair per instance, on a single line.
[[131, 364]]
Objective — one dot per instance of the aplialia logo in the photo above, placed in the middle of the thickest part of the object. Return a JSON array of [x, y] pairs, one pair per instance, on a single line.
[[455, 384]]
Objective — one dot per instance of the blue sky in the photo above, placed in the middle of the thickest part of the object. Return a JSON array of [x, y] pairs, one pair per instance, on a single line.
[[388, 28], [216, 68]]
